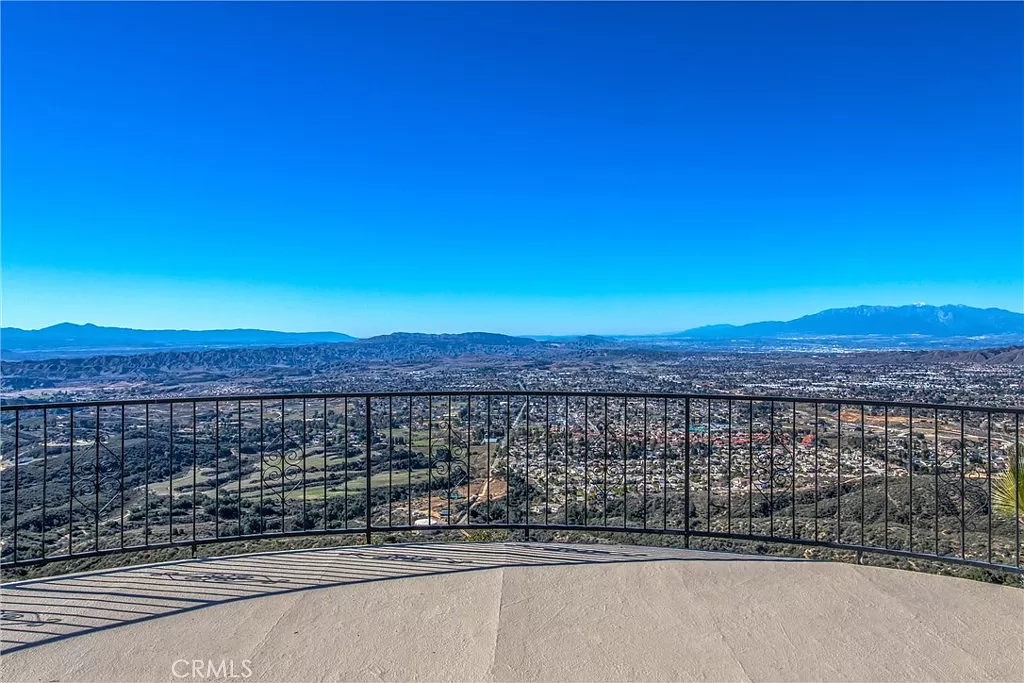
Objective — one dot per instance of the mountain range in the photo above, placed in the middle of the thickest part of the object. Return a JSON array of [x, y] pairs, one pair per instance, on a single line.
[[883, 326], [889, 321], [72, 339]]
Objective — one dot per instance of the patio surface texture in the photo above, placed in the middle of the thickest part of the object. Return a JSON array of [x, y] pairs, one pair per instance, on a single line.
[[509, 612]]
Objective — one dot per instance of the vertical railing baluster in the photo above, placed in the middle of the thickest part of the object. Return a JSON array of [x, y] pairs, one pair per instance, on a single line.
[[71, 481], [146, 532], [885, 482], [910, 476], [508, 459], [527, 470], [369, 449], [750, 465], [792, 476], [1017, 477], [305, 518], [216, 468], [17, 457], [121, 491], [345, 459], [988, 478], [170, 472], [565, 461], [391, 457], [451, 462], [863, 450], [430, 459], [708, 481], [238, 417], [46, 457], [625, 481], [643, 469], [96, 487], [839, 472], [963, 468], [487, 444], [771, 469], [604, 464], [263, 529], [284, 471], [935, 447], [664, 468], [586, 458], [469, 453], [195, 472], [728, 471], [324, 482], [547, 456], [409, 452], [686, 474], [816, 468]]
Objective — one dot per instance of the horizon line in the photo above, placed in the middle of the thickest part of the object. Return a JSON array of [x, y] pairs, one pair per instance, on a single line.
[[482, 331]]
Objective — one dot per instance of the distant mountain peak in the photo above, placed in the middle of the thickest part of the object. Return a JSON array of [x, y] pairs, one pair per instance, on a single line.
[[67, 326], [951, 320]]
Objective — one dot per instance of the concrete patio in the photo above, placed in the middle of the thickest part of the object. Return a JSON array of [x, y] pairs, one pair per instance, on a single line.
[[509, 612]]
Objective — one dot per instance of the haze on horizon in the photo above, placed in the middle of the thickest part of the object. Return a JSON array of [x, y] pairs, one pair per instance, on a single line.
[[368, 168]]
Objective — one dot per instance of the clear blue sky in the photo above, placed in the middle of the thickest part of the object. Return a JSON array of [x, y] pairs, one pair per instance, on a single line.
[[518, 168]]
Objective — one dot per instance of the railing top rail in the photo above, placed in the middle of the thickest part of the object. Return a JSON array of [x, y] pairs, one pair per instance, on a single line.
[[5, 407]]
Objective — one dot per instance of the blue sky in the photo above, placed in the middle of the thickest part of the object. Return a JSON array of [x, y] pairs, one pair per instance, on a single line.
[[518, 168]]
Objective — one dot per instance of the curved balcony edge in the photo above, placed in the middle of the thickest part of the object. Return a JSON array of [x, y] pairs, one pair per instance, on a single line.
[[924, 481]]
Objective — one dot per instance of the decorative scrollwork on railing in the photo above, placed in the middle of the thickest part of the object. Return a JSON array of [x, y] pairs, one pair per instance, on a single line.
[[773, 470], [85, 506], [282, 471], [959, 494], [449, 466], [89, 505], [449, 470]]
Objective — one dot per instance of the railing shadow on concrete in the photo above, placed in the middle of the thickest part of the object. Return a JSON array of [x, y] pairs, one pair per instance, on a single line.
[[40, 611]]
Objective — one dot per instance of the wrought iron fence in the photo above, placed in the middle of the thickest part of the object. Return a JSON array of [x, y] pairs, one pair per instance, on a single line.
[[907, 479]]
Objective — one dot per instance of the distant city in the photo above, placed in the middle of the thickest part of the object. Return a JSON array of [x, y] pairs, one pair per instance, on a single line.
[[926, 353]]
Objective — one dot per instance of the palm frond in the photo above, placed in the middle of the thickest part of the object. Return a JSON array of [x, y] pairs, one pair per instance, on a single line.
[[1008, 488]]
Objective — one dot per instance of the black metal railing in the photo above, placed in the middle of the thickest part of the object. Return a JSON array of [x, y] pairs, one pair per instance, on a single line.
[[906, 479]]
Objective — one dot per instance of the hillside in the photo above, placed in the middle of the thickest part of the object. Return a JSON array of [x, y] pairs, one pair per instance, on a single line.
[[1009, 355], [266, 360]]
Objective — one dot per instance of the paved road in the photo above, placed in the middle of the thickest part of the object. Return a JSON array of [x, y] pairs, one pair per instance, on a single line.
[[510, 612]]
